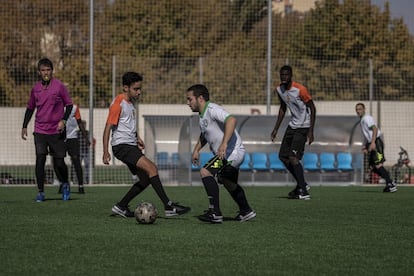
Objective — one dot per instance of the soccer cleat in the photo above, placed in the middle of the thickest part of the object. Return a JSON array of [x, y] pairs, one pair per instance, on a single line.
[[245, 216], [81, 190], [40, 197], [65, 191], [122, 211], [293, 192], [300, 194], [175, 209], [390, 188], [211, 216]]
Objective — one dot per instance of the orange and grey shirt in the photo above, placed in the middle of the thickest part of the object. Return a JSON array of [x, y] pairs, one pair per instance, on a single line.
[[122, 118], [72, 123], [295, 99]]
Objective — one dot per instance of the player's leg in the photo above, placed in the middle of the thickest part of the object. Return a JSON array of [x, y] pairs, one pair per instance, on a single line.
[[295, 155], [207, 174], [377, 159], [228, 176], [58, 151], [132, 156], [41, 153], [73, 150]]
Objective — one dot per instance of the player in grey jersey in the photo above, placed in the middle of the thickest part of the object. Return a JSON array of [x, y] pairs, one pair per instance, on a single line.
[[218, 130]]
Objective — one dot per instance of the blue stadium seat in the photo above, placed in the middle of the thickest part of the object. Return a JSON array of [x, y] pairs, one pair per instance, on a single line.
[[327, 161], [203, 159], [275, 163], [162, 159], [246, 165], [344, 161], [259, 161], [175, 159], [310, 161]]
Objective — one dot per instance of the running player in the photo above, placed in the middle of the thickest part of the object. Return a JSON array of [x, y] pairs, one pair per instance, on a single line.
[[127, 146]]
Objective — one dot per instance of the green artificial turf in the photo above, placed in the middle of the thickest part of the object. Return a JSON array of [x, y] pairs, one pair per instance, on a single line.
[[340, 231]]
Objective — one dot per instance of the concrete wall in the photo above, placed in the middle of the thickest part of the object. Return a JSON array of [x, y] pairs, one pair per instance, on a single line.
[[396, 122]]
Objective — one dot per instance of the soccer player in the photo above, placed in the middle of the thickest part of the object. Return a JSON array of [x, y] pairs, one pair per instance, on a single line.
[[296, 97], [73, 145], [54, 105], [127, 146], [374, 147], [218, 129]]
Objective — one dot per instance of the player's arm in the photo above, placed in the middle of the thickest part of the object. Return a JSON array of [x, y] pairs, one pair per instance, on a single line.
[[196, 151], [62, 122], [106, 155], [372, 145], [27, 116], [312, 109], [83, 131], [280, 116], [229, 127]]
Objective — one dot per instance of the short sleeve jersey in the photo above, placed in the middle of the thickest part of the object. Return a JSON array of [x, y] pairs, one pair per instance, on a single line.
[[49, 103], [122, 118], [367, 122], [212, 121], [296, 98], [72, 123]]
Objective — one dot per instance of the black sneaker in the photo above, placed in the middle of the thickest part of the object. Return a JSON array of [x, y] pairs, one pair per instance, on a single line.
[[211, 216], [292, 193], [390, 188], [245, 216], [174, 209], [301, 194], [81, 190], [122, 211]]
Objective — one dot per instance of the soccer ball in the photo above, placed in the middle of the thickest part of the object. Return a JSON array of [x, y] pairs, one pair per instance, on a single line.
[[146, 213]]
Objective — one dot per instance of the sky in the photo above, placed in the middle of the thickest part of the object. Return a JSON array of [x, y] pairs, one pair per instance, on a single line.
[[400, 8]]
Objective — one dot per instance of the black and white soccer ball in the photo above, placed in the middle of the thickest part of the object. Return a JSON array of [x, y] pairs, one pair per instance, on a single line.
[[146, 213]]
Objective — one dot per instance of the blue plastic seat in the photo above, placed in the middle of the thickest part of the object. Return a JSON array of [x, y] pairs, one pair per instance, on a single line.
[[275, 163], [246, 165], [162, 159], [203, 159], [259, 161], [327, 161], [310, 161], [344, 161]]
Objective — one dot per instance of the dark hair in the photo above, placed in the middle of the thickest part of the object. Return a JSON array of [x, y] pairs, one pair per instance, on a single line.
[[286, 68], [46, 62], [131, 77], [200, 90], [361, 104]]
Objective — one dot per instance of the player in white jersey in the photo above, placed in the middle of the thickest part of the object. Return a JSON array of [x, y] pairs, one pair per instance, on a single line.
[[72, 145], [127, 146], [218, 129], [374, 146], [296, 97]]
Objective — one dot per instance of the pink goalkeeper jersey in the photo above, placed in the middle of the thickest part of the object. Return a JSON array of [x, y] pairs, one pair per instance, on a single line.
[[49, 103]]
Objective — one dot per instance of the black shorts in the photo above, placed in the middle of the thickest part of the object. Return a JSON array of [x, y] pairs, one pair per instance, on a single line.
[[72, 147], [376, 157], [215, 165], [50, 143], [293, 142], [128, 154]]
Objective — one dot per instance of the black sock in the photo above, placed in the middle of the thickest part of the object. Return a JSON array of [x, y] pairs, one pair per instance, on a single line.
[[240, 198], [135, 190], [300, 179], [384, 174], [212, 190], [159, 189]]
